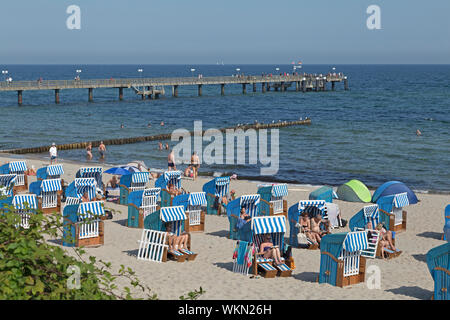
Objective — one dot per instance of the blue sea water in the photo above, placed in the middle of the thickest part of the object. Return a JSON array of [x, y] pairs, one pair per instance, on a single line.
[[367, 133]]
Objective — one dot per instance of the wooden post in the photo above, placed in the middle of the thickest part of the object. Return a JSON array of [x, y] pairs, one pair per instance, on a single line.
[[263, 87], [297, 86], [268, 86], [244, 89], [345, 83], [175, 91], [91, 96], [282, 87], [200, 90], [254, 87], [317, 85], [19, 97], [324, 85], [120, 93], [333, 85], [304, 85], [222, 89], [143, 96], [56, 96]]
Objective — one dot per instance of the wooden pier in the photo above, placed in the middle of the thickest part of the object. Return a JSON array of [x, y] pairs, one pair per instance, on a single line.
[[160, 137], [154, 87]]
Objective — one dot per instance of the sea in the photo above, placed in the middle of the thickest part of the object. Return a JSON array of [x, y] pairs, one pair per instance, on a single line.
[[366, 133]]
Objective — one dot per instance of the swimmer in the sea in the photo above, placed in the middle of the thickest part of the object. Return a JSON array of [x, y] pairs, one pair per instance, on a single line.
[[418, 133]]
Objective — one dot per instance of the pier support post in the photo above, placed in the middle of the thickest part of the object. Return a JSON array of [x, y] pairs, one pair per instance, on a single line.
[[263, 87], [317, 85], [222, 89], [19, 97], [200, 90], [254, 87], [244, 89], [324, 85], [268, 86], [275, 88], [175, 91], [333, 85], [120, 93], [156, 95], [91, 96], [345, 83], [143, 96], [304, 85], [297, 86], [56, 96], [282, 87]]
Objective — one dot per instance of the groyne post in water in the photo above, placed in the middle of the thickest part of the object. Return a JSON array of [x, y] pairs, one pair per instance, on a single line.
[[159, 137]]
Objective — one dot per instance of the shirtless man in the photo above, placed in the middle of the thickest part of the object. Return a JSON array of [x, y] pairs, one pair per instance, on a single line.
[[160, 146], [315, 226], [195, 163], [102, 150], [171, 161], [114, 183]]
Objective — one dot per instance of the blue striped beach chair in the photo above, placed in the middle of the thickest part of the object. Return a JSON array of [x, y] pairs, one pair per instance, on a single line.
[[53, 171], [391, 211], [215, 190], [243, 257], [163, 182], [92, 172], [48, 192], [83, 224], [140, 205], [275, 226], [157, 221], [7, 184], [195, 208], [446, 235], [136, 181], [18, 168], [438, 261], [341, 262], [25, 205], [81, 185], [250, 203], [294, 213], [273, 200]]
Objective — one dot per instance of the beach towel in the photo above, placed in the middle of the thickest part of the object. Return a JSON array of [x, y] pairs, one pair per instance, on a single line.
[[333, 213], [242, 250]]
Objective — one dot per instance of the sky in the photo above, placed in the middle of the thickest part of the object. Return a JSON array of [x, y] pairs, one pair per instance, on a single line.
[[233, 31]]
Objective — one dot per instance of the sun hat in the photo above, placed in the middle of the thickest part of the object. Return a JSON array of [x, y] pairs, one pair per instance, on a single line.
[[53, 144]]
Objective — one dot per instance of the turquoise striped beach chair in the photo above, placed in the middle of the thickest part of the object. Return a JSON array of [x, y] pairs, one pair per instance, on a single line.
[[49, 193], [215, 190], [18, 168], [438, 261], [25, 205], [7, 184], [92, 172], [273, 200], [53, 171], [136, 181], [163, 182], [140, 205], [195, 208], [446, 235], [341, 262], [250, 203], [83, 224], [81, 185], [391, 210]]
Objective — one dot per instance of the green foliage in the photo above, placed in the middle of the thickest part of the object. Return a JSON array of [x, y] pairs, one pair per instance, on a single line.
[[193, 295]]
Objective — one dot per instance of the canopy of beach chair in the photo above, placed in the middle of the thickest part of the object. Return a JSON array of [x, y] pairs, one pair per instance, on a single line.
[[25, 201], [55, 170], [354, 191], [394, 187]]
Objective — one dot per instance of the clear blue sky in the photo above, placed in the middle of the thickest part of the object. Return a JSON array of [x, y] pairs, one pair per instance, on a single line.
[[235, 31]]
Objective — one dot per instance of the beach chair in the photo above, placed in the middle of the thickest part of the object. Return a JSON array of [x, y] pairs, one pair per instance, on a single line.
[[391, 211], [81, 185], [151, 240], [255, 231], [446, 235], [25, 205], [294, 213], [136, 181], [438, 261], [215, 190], [273, 200], [53, 171], [195, 208], [140, 205], [163, 182], [83, 224], [7, 184], [92, 172], [49, 193], [341, 262], [18, 168], [250, 203], [243, 257]]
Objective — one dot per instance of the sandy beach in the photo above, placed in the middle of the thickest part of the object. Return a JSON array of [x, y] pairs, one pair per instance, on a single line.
[[405, 277]]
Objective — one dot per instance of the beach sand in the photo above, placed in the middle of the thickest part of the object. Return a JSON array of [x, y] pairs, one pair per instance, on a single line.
[[405, 277]]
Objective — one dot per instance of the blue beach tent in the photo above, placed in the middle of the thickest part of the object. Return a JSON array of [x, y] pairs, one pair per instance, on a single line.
[[323, 193], [394, 187]]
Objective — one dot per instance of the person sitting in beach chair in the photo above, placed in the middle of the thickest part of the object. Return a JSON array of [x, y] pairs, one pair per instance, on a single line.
[[305, 224], [85, 197], [113, 183], [176, 242], [269, 251], [243, 218], [319, 226], [386, 242]]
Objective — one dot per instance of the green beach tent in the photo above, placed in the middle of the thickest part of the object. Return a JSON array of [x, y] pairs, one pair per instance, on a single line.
[[354, 191]]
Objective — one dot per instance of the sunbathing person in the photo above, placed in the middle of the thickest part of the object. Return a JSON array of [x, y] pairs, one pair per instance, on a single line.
[[305, 223], [316, 221], [243, 219], [269, 251], [85, 197], [385, 239], [176, 242], [114, 183], [173, 191]]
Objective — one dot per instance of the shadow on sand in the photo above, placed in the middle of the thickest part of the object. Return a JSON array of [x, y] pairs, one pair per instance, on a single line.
[[414, 292], [432, 235]]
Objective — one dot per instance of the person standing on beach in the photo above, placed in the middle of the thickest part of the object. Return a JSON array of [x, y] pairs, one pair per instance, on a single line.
[[171, 161], [102, 150], [160, 146], [89, 151], [195, 163], [53, 153]]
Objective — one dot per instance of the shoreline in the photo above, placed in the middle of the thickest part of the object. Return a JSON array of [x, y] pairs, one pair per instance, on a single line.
[[206, 174]]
